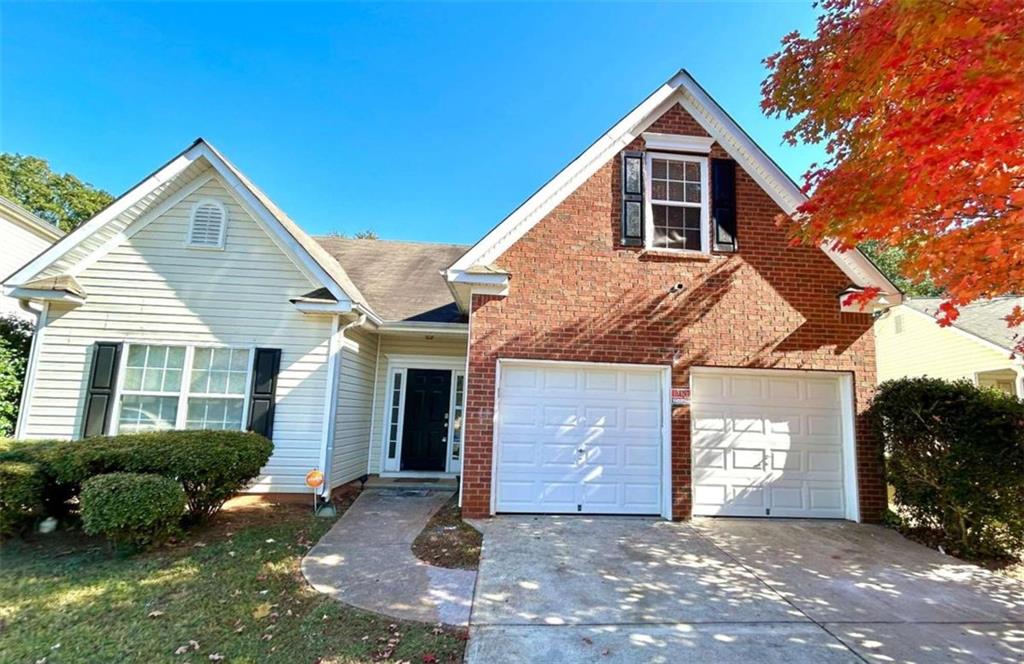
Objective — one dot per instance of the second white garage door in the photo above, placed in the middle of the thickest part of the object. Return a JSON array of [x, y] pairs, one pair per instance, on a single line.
[[580, 438], [770, 443]]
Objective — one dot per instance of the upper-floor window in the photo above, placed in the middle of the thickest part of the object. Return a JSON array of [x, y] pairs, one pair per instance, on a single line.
[[207, 225], [677, 198]]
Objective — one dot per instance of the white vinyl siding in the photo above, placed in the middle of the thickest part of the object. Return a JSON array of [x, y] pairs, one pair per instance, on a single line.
[[20, 245], [125, 219], [355, 404], [152, 289], [440, 345], [922, 348]]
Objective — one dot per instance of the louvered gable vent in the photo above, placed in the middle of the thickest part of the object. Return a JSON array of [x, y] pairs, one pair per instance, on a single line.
[[207, 227]]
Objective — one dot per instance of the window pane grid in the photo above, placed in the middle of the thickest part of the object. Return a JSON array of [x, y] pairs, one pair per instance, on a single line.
[[676, 227], [154, 369], [154, 392], [396, 403], [676, 182], [457, 423]]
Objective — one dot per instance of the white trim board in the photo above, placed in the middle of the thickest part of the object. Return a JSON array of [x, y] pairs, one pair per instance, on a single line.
[[681, 89]]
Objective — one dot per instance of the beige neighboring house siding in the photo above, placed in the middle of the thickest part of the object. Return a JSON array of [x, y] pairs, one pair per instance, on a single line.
[[440, 345], [925, 349], [152, 288], [350, 450], [21, 243]]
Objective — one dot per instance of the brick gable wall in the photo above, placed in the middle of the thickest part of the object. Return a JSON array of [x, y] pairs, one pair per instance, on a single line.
[[577, 294]]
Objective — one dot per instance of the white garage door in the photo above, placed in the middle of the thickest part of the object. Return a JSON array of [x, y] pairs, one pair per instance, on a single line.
[[768, 444], [579, 438]]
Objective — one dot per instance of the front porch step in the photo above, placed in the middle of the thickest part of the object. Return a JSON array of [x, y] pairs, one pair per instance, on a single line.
[[412, 483]]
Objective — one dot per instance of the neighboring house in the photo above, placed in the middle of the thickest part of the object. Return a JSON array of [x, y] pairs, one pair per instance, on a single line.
[[24, 236], [638, 337], [977, 346]]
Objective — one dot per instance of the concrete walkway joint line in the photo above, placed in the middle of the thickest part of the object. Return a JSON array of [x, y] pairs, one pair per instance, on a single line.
[[366, 560]]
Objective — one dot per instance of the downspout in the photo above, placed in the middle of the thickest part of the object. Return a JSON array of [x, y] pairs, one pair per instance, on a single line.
[[28, 385], [337, 339]]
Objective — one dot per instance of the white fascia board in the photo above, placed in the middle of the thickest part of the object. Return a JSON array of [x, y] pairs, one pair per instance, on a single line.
[[678, 142], [22, 217], [684, 90], [880, 302], [424, 327], [34, 294], [133, 196], [472, 278], [332, 308]]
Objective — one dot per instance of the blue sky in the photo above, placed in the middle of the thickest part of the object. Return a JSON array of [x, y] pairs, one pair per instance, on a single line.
[[419, 121]]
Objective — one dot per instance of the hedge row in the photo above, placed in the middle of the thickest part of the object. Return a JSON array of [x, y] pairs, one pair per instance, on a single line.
[[955, 460], [39, 477]]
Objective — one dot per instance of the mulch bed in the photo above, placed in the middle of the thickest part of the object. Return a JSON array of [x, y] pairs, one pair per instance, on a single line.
[[448, 541]]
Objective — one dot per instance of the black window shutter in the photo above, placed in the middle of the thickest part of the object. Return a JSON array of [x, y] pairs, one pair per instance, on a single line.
[[632, 199], [264, 384], [99, 401], [723, 204]]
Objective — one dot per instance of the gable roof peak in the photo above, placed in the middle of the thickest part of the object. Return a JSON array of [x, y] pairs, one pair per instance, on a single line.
[[683, 89]]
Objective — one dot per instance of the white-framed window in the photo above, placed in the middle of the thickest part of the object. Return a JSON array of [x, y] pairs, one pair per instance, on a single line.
[[677, 202], [166, 386], [218, 386], [397, 403], [207, 225], [150, 388], [458, 408]]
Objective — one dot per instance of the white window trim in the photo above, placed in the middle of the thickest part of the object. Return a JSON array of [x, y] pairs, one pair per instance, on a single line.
[[401, 364], [223, 227], [705, 206], [184, 391]]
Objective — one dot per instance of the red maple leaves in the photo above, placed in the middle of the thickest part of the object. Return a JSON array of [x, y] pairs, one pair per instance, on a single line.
[[921, 105]]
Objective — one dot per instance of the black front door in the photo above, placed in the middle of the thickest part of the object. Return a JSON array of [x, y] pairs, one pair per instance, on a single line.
[[425, 428]]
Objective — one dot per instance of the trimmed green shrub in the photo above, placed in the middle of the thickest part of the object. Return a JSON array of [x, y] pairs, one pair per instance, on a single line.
[[211, 466], [53, 497], [132, 508], [955, 460], [21, 495], [15, 342]]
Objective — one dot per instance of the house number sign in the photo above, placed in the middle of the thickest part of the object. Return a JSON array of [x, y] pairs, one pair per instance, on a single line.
[[680, 396]]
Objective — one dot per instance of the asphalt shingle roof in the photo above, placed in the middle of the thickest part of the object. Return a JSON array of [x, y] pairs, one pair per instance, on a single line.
[[400, 280], [984, 318]]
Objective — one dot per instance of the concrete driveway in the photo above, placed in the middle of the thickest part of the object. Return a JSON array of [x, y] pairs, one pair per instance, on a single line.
[[610, 589]]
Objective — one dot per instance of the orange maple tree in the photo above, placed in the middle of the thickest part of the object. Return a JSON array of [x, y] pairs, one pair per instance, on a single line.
[[920, 104]]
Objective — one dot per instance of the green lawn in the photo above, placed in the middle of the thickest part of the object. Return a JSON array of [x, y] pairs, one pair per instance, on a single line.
[[230, 590]]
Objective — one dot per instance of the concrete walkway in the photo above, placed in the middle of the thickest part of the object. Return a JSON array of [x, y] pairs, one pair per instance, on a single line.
[[614, 590], [366, 560]]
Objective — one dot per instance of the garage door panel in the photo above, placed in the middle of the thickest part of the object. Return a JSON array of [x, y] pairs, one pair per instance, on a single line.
[[559, 496], [646, 383], [596, 428], [745, 388], [767, 445]]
